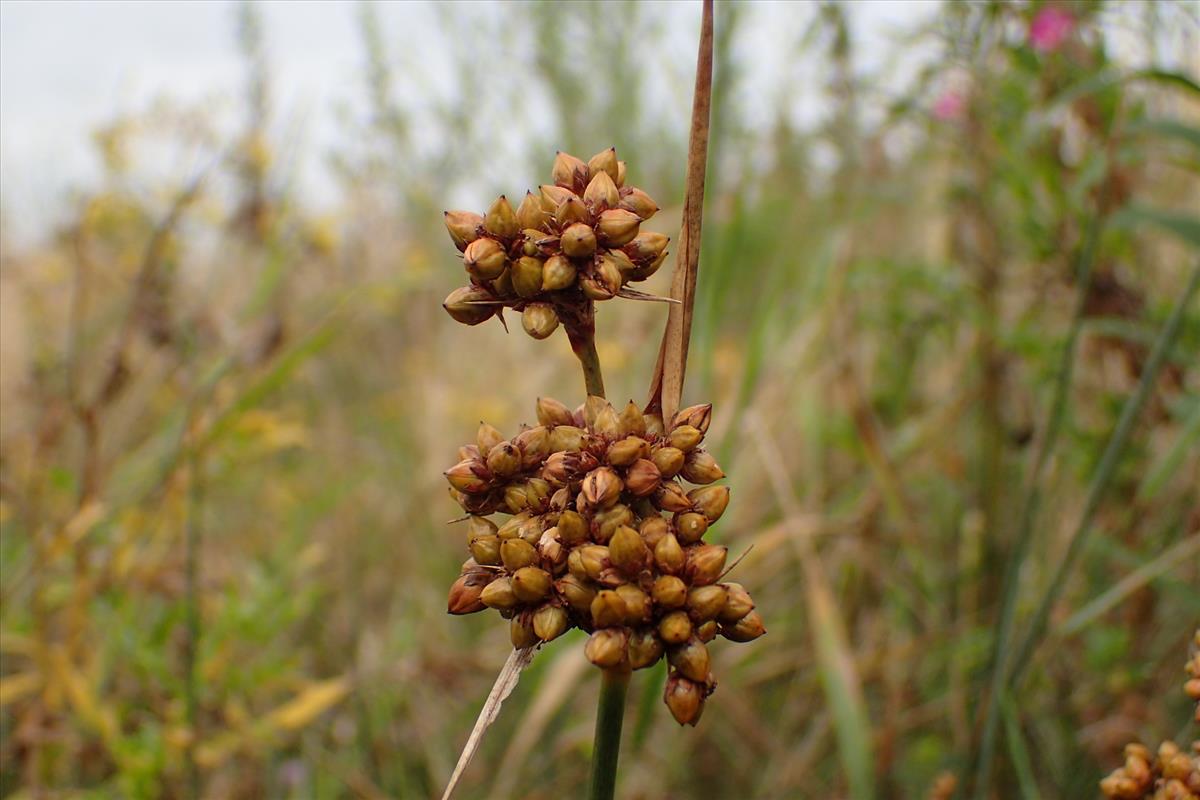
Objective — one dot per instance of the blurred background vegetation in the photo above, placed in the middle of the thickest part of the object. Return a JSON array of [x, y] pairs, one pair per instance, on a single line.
[[226, 409]]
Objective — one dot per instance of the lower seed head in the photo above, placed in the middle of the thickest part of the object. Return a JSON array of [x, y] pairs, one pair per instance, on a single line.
[[549, 622], [638, 607], [669, 556], [691, 659], [521, 632], [627, 551], [738, 603], [645, 648], [705, 563], [705, 603], [675, 627], [685, 699], [579, 594], [691, 526], [530, 584], [499, 594], [465, 595], [669, 591], [578, 240], [608, 609], [747, 629], [516, 553]]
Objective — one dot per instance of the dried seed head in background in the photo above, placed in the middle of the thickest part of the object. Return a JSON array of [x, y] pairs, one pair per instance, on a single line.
[[603, 536], [577, 240]]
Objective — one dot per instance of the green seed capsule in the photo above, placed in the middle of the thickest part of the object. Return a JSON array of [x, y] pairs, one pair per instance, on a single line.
[[501, 220], [486, 550], [691, 659], [638, 607], [517, 553], [608, 609], [512, 526], [521, 631], [645, 648], [605, 522], [705, 602], [627, 551], [499, 594], [607, 647], [669, 591], [530, 584], [675, 627], [549, 622], [691, 526], [571, 528], [669, 556], [588, 561]]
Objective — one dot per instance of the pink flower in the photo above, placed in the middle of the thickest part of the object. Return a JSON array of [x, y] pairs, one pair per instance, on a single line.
[[949, 106], [1049, 28]]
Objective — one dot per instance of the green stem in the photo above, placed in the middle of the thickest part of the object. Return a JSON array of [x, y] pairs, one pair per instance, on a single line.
[[1103, 476], [610, 713], [589, 359]]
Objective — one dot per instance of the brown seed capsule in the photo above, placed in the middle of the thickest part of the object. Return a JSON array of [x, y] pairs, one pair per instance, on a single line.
[[499, 594], [551, 549], [654, 426], [606, 521], [579, 240], [551, 412], [469, 477], [465, 594], [572, 528], [620, 174], [480, 526], [484, 258], [684, 437], [639, 203], [527, 276], [645, 271], [669, 591], [618, 227], [468, 452], [738, 603], [711, 501], [549, 622], [558, 273], [642, 478], [504, 460], [653, 529], [671, 497], [691, 659], [568, 170], [624, 265], [607, 423], [521, 632], [463, 227], [601, 193], [700, 467], [698, 416], [530, 529], [685, 699], [539, 320], [570, 212], [747, 629], [632, 423], [517, 553], [502, 286], [646, 246], [705, 602], [638, 607], [554, 196], [534, 444], [486, 550], [690, 526], [565, 467], [645, 648], [591, 409], [627, 551], [624, 452], [707, 631], [605, 161], [594, 289], [606, 647], [704, 564], [530, 214], [579, 594], [601, 487], [486, 438], [464, 305], [537, 493], [608, 609], [608, 275], [512, 526], [669, 556], [588, 561], [669, 460], [567, 438], [531, 584], [675, 627], [501, 220]]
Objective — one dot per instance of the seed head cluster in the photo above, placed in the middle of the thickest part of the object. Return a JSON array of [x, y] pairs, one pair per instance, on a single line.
[[578, 239], [604, 536], [1169, 774]]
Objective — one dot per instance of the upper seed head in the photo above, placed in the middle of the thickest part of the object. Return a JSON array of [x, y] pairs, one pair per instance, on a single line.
[[484, 258], [602, 487], [691, 659], [551, 412], [632, 422], [605, 161], [627, 551], [643, 478], [557, 273], [464, 304], [701, 467], [539, 319], [487, 437], [504, 459], [469, 476], [568, 171], [639, 203], [669, 460], [685, 700], [617, 226], [501, 220], [465, 593], [738, 603], [645, 648], [601, 193], [698, 416], [549, 622], [578, 240], [499, 594], [747, 629], [517, 553], [705, 562], [527, 276], [530, 214], [668, 555], [530, 584], [710, 501], [606, 647], [647, 246], [553, 197], [463, 227]]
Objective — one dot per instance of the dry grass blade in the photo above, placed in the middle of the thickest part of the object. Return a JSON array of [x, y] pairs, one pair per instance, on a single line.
[[506, 681], [666, 387], [634, 294]]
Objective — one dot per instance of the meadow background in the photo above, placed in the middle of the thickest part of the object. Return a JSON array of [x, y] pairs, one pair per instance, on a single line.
[[229, 393]]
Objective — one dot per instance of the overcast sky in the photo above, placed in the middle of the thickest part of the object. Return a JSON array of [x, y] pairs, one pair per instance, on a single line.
[[67, 67]]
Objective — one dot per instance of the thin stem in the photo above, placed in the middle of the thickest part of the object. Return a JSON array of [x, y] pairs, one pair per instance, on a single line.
[[589, 359], [1103, 476], [610, 713], [1028, 513]]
